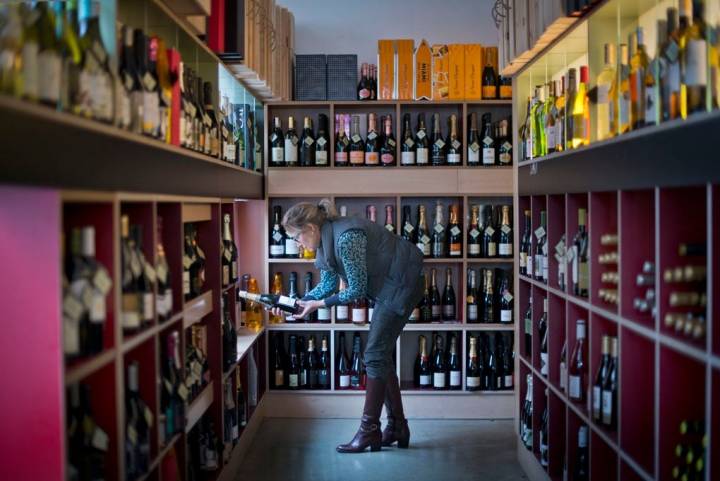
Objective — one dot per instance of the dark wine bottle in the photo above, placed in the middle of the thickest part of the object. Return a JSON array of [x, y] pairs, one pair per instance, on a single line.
[[278, 378], [454, 232], [342, 144], [423, 376], [407, 149], [439, 367], [435, 301], [448, 299], [357, 146], [454, 365], [324, 365], [454, 144], [597, 394], [438, 145], [307, 144], [488, 141], [322, 143], [357, 368], [472, 298], [474, 144], [291, 144], [472, 377], [343, 365], [475, 237], [277, 235], [372, 142], [422, 143], [387, 149], [277, 145]]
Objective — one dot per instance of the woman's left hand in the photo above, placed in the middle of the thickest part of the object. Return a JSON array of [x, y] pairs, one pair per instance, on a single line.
[[308, 307]]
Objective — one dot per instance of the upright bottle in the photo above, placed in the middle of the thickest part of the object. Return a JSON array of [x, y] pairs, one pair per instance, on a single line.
[[622, 92], [308, 287], [597, 395], [488, 141], [277, 235], [230, 254], [542, 335], [139, 422], [539, 140], [293, 367], [609, 388], [474, 239], [540, 257], [422, 143], [343, 364], [387, 150], [454, 232], [408, 231], [372, 143], [506, 305], [293, 294], [472, 376], [322, 142], [342, 144], [525, 246], [149, 84], [454, 366], [307, 144], [312, 363], [96, 81], [693, 61], [638, 69], [505, 244], [671, 80], [550, 118], [291, 144], [505, 150], [421, 236], [435, 301], [605, 123], [407, 148], [438, 234], [448, 299], [544, 451], [472, 298], [454, 146], [357, 146], [357, 368], [560, 124], [580, 269], [439, 148], [423, 373], [324, 364], [581, 111], [582, 461], [576, 370], [426, 310], [439, 366], [489, 375], [364, 88], [473, 150], [489, 298], [489, 233]]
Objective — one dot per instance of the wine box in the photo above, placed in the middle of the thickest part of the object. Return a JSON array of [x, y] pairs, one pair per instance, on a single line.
[[423, 72], [404, 89], [457, 71], [440, 72], [473, 71], [310, 77], [342, 77]]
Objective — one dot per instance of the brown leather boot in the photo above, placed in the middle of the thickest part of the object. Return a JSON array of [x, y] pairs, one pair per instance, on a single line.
[[369, 433], [397, 429]]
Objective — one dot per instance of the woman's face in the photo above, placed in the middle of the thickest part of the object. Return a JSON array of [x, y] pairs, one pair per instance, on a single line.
[[308, 237]]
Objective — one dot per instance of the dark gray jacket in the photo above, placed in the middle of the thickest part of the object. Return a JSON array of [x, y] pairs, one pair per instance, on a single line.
[[393, 264]]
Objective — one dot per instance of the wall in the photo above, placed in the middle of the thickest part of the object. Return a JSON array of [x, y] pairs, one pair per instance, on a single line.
[[332, 26]]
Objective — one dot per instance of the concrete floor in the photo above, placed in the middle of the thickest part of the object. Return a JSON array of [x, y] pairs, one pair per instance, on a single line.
[[448, 450]]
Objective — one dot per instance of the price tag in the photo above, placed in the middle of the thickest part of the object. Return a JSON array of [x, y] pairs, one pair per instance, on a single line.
[[100, 439], [72, 308], [439, 143], [321, 142], [309, 141], [102, 281], [148, 81], [421, 134], [168, 386], [356, 138], [455, 144], [187, 262], [455, 230], [372, 136], [132, 435], [425, 239], [409, 142], [439, 228], [488, 141], [161, 271], [409, 228], [507, 146], [540, 232], [507, 296], [149, 418], [489, 231], [506, 229], [474, 147], [150, 273], [391, 142], [474, 233], [273, 137], [183, 392]]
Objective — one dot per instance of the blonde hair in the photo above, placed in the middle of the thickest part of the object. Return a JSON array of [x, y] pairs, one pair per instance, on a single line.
[[300, 215]]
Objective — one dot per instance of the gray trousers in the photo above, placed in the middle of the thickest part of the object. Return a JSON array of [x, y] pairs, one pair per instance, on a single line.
[[385, 328]]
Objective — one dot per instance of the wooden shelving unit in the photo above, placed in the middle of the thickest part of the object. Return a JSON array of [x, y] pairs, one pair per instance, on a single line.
[[655, 188]]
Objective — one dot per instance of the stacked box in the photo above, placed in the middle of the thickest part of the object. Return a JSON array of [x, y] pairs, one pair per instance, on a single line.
[[310, 77], [342, 77]]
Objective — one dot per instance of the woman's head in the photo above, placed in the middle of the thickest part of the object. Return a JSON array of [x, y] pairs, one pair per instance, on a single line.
[[303, 221]]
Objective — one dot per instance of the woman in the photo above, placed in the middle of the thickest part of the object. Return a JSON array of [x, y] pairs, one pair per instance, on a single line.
[[373, 263]]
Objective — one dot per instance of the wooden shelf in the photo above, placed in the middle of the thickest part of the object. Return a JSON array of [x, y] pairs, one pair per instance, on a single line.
[[245, 339], [199, 406], [198, 308], [189, 7], [196, 213], [291, 261], [84, 368], [102, 157]]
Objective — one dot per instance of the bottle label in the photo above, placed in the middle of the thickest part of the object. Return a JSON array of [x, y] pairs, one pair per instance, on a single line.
[[473, 381], [186, 283], [583, 280], [505, 249], [439, 379], [303, 378], [544, 363], [474, 249], [696, 63], [448, 311], [506, 315], [673, 75], [474, 154], [293, 380], [597, 399], [321, 156], [491, 249], [30, 68], [523, 260], [455, 250], [387, 158], [574, 387], [278, 155], [357, 157], [607, 407], [472, 311], [148, 306], [323, 314], [488, 156], [508, 381], [364, 94], [563, 376], [372, 158], [426, 380], [291, 247], [422, 155], [358, 316], [436, 311], [276, 250], [538, 265], [50, 68], [545, 268], [505, 156], [308, 141], [409, 142], [455, 378], [489, 92], [279, 377], [453, 159], [291, 154], [345, 381], [342, 312], [624, 109], [341, 157], [414, 315], [407, 158]]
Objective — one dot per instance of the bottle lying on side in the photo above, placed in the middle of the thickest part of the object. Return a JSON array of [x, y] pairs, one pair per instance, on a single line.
[[284, 303]]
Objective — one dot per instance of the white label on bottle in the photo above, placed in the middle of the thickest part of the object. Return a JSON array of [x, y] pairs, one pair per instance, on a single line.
[[321, 156], [607, 407], [358, 316], [323, 314], [563, 376], [455, 378], [673, 75], [290, 152], [448, 311], [71, 336], [474, 249], [453, 159], [279, 377], [293, 380], [345, 381], [603, 93], [186, 283], [489, 231], [436, 311], [407, 158], [488, 156], [439, 379], [148, 307], [426, 380], [50, 68], [574, 387], [30, 71], [342, 312], [505, 249], [545, 267], [473, 381], [97, 307], [278, 155], [506, 315], [472, 312], [408, 228], [624, 108], [695, 68], [544, 363], [100, 439], [550, 136], [508, 380], [291, 247], [276, 250], [474, 154], [596, 401], [286, 301], [422, 156]]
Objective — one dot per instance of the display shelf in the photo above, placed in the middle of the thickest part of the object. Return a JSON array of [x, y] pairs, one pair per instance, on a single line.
[[145, 355], [199, 406], [121, 155], [290, 261], [191, 212], [556, 338], [198, 308], [599, 327], [78, 371], [246, 339], [557, 417]]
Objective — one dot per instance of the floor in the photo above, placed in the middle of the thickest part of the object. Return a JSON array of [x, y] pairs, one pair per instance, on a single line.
[[448, 450]]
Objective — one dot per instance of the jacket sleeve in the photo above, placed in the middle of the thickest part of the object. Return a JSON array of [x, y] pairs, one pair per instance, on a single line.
[[352, 246], [326, 287]]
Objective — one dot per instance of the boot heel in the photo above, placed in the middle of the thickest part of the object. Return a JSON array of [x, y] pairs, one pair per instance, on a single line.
[[404, 444], [375, 447]]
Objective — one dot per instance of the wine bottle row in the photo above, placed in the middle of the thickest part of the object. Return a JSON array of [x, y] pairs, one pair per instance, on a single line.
[[300, 366], [205, 449], [174, 391], [88, 443], [375, 144], [686, 288], [235, 413], [197, 366], [138, 428], [489, 233], [632, 90], [57, 57]]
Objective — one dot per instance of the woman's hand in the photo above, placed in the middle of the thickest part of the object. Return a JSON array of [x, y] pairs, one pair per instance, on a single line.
[[308, 307]]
